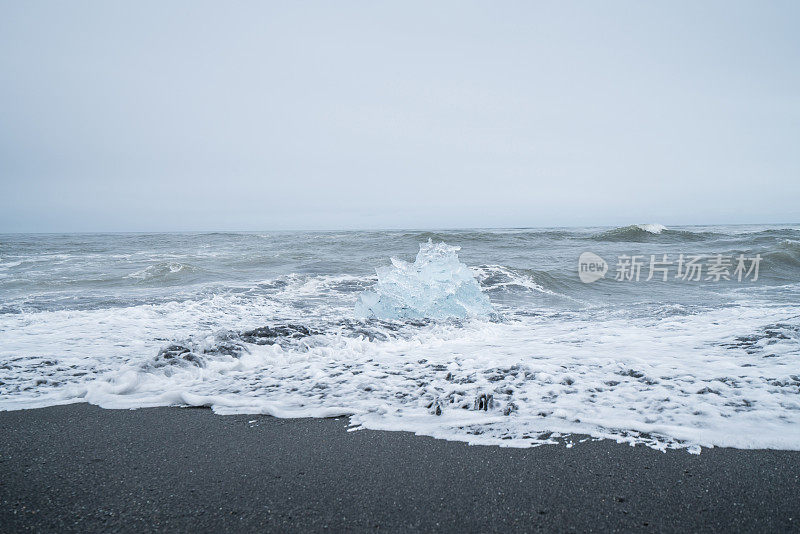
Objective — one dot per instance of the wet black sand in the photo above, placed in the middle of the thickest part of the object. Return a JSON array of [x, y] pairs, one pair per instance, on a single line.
[[81, 468]]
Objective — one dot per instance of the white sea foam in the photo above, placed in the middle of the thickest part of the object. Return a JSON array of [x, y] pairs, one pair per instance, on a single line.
[[160, 270], [678, 381]]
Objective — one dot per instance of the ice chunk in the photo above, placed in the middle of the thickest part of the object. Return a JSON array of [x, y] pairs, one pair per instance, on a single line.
[[436, 286]]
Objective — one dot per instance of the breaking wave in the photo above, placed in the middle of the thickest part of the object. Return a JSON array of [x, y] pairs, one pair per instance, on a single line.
[[634, 232], [652, 228], [642, 233]]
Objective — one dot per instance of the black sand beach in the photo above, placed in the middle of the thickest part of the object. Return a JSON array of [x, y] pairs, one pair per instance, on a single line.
[[82, 468]]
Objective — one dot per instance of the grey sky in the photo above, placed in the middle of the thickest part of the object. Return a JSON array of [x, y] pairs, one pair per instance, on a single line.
[[254, 115]]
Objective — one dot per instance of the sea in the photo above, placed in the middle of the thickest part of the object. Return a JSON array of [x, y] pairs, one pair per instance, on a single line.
[[669, 337]]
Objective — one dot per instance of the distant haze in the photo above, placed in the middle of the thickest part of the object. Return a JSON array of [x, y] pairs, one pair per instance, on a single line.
[[145, 115]]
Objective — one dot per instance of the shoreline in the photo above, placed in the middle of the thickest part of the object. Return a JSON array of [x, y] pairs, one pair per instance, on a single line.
[[78, 467]]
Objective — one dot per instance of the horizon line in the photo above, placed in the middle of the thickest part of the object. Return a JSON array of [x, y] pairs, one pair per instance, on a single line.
[[384, 229]]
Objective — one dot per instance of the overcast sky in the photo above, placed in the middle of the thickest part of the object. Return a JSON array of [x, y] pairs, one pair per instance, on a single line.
[[194, 115]]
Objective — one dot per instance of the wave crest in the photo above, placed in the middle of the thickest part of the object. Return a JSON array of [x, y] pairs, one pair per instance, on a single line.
[[633, 232]]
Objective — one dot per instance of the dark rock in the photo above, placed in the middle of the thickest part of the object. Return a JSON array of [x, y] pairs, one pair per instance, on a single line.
[[484, 401], [266, 335]]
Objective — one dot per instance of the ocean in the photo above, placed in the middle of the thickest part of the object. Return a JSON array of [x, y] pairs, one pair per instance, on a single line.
[[679, 337]]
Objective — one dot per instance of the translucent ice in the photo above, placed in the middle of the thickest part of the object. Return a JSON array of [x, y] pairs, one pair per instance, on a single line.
[[436, 286]]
